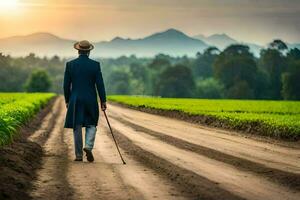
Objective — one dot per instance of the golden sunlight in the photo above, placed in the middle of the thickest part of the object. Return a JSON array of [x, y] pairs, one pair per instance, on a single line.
[[8, 4]]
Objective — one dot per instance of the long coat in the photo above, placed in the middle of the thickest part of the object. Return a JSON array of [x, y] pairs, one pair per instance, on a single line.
[[81, 80]]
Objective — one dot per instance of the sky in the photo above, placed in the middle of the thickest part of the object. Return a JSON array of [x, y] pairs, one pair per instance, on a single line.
[[257, 21]]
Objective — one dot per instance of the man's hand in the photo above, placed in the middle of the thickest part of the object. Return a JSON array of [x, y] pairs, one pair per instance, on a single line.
[[103, 106]]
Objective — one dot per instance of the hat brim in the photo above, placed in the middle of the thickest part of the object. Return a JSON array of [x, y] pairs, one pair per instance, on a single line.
[[76, 46]]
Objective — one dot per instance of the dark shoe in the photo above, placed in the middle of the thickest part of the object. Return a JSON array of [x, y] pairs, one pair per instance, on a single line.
[[78, 159], [89, 155]]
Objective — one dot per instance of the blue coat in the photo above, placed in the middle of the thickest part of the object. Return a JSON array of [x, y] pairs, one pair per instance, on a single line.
[[82, 77]]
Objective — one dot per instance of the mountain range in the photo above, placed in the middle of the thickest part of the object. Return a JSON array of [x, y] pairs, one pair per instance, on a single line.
[[219, 40], [222, 41], [172, 42]]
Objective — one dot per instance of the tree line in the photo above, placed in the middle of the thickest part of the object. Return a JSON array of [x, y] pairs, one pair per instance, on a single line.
[[234, 73]]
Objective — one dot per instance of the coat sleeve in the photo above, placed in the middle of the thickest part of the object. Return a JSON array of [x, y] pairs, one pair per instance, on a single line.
[[100, 84], [67, 83]]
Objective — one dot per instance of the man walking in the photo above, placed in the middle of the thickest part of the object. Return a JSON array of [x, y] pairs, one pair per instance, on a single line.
[[82, 80]]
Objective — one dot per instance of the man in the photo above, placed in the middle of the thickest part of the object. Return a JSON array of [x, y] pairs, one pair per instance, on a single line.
[[82, 78]]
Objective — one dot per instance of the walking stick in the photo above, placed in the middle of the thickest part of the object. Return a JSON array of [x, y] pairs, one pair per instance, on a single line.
[[114, 138]]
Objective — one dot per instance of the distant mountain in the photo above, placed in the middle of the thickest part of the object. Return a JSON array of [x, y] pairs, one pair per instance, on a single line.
[[254, 48], [223, 40], [292, 46], [219, 40], [172, 42], [42, 44]]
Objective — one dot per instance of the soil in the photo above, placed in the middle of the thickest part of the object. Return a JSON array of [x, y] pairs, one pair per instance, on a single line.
[[166, 159], [280, 176], [20, 159]]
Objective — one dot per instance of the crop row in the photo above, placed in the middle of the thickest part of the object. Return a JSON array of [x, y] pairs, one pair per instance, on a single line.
[[17, 109], [273, 118]]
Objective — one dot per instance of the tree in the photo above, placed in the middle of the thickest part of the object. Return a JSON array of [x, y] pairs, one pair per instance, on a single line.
[[293, 55], [261, 85], [156, 67], [291, 86], [209, 88], [39, 81], [12, 77], [176, 81], [279, 45], [139, 79], [160, 62], [241, 90], [138, 71], [236, 69], [290, 79], [202, 67], [118, 82], [273, 62]]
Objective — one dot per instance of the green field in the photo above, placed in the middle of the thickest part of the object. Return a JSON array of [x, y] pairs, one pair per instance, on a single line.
[[272, 118], [16, 109]]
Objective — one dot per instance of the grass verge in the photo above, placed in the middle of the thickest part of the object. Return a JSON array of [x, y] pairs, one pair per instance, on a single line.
[[17, 109]]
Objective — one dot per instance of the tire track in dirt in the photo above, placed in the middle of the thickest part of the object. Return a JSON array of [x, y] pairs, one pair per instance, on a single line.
[[223, 180], [285, 178], [271, 155], [159, 166], [97, 180], [51, 182], [187, 181], [143, 179], [108, 178], [62, 178], [40, 136]]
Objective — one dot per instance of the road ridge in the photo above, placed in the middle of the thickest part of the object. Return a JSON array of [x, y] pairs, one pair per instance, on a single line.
[[137, 175], [41, 135], [230, 178], [270, 154], [200, 187], [51, 182], [289, 179], [177, 160]]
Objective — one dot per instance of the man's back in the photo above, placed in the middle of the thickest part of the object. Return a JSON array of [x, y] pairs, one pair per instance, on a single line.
[[82, 77], [83, 73]]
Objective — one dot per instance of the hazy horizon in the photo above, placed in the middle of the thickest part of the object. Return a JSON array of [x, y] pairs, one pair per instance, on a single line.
[[98, 20], [117, 36]]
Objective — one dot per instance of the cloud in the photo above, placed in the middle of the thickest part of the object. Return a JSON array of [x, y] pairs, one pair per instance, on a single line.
[[253, 20], [214, 7]]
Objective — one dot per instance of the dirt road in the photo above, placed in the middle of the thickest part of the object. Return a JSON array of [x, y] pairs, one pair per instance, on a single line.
[[166, 159]]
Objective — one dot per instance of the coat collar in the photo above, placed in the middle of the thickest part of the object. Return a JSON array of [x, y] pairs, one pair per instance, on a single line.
[[83, 56]]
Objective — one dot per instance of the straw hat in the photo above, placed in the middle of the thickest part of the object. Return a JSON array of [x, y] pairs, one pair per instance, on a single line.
[[83, 45]]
